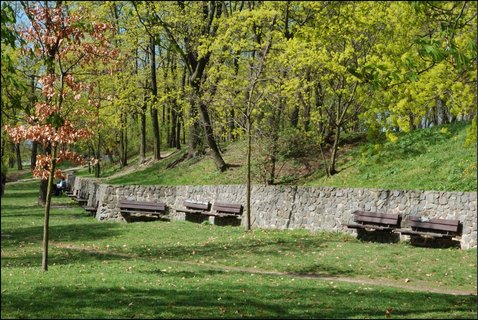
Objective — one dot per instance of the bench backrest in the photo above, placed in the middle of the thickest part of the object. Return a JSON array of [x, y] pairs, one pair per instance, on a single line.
[[446, 226], [229, 208], [128, 204], [197, 205], [82, 194], [376, 218]]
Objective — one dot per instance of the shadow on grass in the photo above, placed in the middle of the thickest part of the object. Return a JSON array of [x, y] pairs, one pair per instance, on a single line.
[[78, 232], [214, 300], [235, 251], [273, 248], [21, 211], [12, 196]]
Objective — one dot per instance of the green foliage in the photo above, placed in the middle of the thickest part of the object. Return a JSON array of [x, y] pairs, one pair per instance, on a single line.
[[343, 68], [8, 19], [471, 135], [294, 144]]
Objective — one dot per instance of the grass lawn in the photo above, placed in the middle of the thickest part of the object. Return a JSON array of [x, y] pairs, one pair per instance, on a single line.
[[186, 270]]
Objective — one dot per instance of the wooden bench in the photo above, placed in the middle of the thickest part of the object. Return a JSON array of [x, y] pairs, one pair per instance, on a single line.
[[226, 210], [81, 201], [78, 197], [153, 208], [432, 228], [372, 221], [72, 194], [92, 209], [195, 207]]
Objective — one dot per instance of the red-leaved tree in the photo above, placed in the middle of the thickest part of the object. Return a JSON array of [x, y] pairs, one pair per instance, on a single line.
[[64, 42]]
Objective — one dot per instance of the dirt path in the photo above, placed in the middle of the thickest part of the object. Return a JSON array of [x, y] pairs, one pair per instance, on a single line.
[[361, 281], [129, 169]]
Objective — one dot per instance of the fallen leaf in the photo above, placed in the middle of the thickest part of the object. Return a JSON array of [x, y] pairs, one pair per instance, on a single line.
[[388, 312]]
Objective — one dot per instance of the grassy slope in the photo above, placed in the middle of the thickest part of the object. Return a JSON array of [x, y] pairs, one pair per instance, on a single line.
[[429, 159], [190, 172]]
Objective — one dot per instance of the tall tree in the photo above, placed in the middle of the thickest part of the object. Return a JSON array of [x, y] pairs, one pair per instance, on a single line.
[[190, 27], [57, 37]]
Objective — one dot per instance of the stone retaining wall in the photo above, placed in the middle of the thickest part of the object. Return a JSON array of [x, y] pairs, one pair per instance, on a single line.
[[283, 207]]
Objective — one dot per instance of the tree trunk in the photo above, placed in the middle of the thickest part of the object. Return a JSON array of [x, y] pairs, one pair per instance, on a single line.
[[167, 122], [157, 135], [42, 194], [216, 155], [47, 210], [194, 137], [110, 155], [142, 142], [11, 157], [89, 157], [443, 115], [272, 170], [232, 126], [178, 133], [121, 147], [123, 143], [98, 158], [294, 121], [411, 121], [333, 157], [33, 158], [154, 109], [124, 156], [174, 121], [249, 182]]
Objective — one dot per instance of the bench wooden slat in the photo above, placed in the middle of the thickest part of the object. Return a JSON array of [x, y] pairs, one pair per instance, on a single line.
[[158, 206], [373, 218], [189, 210], [433, 226], [143, 208], [365, 226], [443, 221], [374, 221], [227, 208], [422, 233], [445, 225], [128, 206], [139, 203], [375, 214], [378, 220], [81, 201], [224, 215], [143, 204], [197, 205], [142, 211]]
